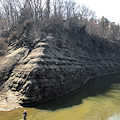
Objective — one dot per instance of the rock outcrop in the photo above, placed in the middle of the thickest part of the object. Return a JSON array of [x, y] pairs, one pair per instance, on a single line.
[[53, 64]]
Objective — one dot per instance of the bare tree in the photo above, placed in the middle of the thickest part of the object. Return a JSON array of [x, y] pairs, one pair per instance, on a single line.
[[48, 9]]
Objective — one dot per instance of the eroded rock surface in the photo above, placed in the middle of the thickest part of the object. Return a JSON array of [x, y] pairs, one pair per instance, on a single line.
[[54, 64]]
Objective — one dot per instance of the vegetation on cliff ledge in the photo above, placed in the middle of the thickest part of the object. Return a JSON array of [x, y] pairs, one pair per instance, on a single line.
[[51, 16]]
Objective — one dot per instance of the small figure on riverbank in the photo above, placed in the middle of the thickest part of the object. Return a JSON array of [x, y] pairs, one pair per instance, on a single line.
[[24, 115], [6, 99]]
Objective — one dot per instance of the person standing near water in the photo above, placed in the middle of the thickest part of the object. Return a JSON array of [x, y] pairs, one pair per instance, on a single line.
[[24, 115]]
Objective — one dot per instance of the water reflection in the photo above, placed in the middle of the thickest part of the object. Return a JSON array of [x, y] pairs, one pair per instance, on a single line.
[[94, 87], [114, 117], [99, 99]]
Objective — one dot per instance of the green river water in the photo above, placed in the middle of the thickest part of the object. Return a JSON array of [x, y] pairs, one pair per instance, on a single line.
[[99, 99]]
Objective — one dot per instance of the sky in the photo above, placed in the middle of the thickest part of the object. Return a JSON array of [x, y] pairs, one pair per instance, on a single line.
[[110, 9]]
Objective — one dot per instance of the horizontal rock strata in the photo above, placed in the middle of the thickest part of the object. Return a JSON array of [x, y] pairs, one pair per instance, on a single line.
[[55, 65]]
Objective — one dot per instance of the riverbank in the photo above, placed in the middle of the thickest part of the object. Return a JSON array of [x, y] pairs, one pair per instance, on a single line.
[[8, 102], [98, 99], [54, 64]]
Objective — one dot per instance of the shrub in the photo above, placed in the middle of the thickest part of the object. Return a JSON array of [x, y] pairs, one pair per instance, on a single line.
[[3, 47]]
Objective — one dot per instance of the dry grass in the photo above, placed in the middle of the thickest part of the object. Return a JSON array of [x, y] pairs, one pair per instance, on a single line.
[[3, 46]]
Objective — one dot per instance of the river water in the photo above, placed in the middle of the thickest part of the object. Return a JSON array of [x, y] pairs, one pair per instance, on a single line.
[[99, 99]]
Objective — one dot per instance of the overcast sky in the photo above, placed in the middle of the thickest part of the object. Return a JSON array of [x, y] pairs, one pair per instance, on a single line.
[[107, 8]]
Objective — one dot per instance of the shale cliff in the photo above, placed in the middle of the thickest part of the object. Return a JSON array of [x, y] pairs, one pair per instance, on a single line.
[[53, 63]]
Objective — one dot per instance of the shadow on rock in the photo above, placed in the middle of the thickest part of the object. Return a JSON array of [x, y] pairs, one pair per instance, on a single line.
[[94, 87]]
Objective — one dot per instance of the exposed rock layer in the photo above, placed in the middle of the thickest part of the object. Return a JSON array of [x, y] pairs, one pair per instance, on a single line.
[[51, 65]]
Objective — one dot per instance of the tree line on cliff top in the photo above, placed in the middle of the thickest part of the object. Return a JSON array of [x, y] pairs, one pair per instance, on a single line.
[[47, 12]]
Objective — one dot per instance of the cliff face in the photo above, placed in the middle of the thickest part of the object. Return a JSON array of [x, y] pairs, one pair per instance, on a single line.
[[53, 64]]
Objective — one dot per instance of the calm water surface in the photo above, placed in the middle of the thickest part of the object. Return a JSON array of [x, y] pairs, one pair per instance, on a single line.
[[98, 100]]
